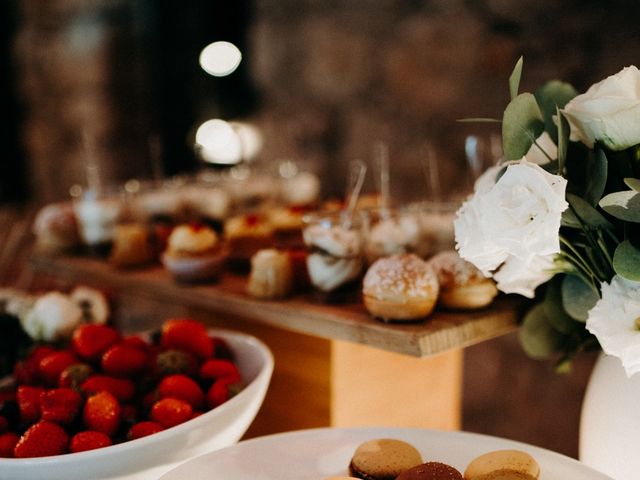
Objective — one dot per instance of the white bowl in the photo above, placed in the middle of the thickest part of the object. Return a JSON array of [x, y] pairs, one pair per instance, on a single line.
[[149, 457]]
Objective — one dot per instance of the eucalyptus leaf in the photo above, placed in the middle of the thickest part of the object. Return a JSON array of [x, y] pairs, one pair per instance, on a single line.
[[551, 96], [538, 338], [578, 297], [521, 124], [626, 261], [623, 205], [514, 78], [558, 318], [633, 183], [569, 219], [596, 177], [588, 214], [563, 140]]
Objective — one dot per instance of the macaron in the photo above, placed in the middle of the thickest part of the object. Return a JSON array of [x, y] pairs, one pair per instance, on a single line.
[[503, 465], [431, 471], [383, 459]]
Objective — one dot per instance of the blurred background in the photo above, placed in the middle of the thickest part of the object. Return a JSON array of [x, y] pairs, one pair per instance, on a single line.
[[314, 81]]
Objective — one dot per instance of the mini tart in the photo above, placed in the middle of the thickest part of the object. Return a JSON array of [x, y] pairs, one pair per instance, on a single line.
[[194, 253], [400, 287], [503, 464], [246, 234], [431, 471], [462, 285], [383, 459]]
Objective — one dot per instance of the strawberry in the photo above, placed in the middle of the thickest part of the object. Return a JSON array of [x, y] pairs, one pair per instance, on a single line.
[[121, 388], [183, 388], [176, 361], [41, 440], [28, 399], [102, 413], [90, 341], [8, 442], [188, 335], [219, 368], [52, 365], [74, 375], [123, 361], [135, 341], [88, 440], [171, 411], [27, 372], [221, 349], [142, 429], [60, 405], [221, 391]]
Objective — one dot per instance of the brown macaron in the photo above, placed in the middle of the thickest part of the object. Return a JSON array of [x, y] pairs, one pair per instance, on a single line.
[[431, 471], [383, 459], [503, 465]]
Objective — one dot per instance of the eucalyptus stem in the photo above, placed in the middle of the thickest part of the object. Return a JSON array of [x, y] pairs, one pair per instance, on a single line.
[[605, 250], [579, 258]]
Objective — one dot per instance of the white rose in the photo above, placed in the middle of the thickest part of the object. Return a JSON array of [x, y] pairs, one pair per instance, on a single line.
[[608, 112], [523, 276], [614, 320], [518, 217]]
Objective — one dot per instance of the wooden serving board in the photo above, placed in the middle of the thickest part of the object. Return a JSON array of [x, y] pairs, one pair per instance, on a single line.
[[303, 313]]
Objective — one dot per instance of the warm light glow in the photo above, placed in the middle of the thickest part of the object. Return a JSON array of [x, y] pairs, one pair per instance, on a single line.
[[220, 58], [228, 142], [219, 142]]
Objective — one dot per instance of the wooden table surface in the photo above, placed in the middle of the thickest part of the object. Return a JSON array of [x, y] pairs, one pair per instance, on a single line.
[[303, 313]]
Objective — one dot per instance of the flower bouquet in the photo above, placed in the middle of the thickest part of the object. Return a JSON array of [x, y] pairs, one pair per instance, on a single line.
[[558, 219]]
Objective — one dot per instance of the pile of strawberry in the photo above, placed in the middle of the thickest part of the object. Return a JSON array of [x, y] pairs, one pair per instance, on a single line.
[[105, 388]]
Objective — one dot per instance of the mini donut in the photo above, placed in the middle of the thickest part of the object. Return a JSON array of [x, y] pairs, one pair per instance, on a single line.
[[462, 285], [400, 287]]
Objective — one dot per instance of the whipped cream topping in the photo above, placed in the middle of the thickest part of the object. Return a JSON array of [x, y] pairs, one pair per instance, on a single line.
[[186, 239], [335, 241], [328, 273]]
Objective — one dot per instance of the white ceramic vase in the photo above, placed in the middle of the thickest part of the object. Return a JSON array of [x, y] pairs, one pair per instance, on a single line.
[[610, 420]]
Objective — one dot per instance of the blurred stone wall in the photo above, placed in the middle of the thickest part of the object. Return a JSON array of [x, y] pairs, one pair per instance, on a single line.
[[332, 77]]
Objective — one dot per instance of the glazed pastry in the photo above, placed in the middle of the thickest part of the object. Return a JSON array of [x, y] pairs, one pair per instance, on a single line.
[[462, 285], [55, 228], [335, 257], [400, 287], [271, 274], [389, 236], [246, 234], [503, 465], [194, 253], [131, 246], [382, 459], [431, 471]]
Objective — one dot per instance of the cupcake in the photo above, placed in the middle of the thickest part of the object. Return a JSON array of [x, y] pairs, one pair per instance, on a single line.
[[194, 253]]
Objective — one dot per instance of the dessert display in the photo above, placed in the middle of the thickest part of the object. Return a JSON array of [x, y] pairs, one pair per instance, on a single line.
[[194, 253], [287, 226], [271, 274], [55, 228], [156, 204], [335, 246], [383, 458], [87, 392], [132, 246], [208, 204], [431, 471], [462, 285], [246, 234], [97, 217], [303, 188], [400, 287], [391, 233], [507, 464]]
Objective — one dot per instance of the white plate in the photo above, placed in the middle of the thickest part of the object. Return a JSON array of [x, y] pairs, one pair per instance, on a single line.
[[318, 453]]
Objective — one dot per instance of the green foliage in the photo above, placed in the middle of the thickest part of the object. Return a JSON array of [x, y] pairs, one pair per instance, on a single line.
[[551, 97], [623, 205], [626, 261], [521, 124], [578, 297], [514, 78], [537, 336]]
